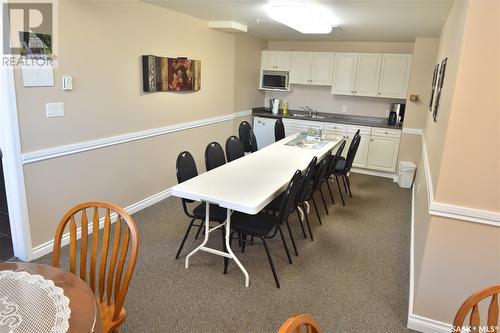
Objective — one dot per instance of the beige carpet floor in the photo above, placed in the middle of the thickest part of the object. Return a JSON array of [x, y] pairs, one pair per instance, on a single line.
[[352, 278]]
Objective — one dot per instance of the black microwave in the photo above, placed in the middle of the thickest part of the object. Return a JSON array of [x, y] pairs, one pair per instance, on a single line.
[[274, 80]]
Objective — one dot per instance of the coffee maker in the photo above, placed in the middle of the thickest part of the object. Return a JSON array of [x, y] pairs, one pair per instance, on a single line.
[[396, 113]]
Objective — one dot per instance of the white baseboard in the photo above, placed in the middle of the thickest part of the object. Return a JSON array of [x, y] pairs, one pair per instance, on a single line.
[[46, 248], [375, 173], [426, 325]]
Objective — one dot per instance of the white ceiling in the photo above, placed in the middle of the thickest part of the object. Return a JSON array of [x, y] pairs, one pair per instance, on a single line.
[[367, 20]]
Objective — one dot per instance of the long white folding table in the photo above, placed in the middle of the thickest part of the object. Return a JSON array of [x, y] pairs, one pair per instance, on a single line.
[[247, 185]]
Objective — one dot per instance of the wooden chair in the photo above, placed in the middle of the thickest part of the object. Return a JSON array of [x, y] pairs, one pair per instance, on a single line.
[[300, 323], [472, 303], [107, 276]]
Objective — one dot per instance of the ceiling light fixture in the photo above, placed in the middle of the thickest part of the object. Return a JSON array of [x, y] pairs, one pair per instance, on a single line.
[[305, 18]]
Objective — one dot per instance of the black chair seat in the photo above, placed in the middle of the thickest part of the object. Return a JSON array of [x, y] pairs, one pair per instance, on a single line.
[[217, 213], [259, 224], [275, 205], [339, 167]]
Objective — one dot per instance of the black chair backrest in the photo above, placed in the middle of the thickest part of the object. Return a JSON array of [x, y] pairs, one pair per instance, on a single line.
[[234, 148], [320, 172], [288, 202], [214, 156], [306, 179], [279, 130], [335, 158], [185, 168], [351, 155], [253, 142], [353, 141], [244, 134]]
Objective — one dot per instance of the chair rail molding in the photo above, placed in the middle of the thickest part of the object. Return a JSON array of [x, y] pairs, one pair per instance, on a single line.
[[454, 211], [416, 131], [75, 148]]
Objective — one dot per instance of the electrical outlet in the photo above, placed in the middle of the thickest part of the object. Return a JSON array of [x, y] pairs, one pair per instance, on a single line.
[[387, 113], [344, 108], [54, 110]]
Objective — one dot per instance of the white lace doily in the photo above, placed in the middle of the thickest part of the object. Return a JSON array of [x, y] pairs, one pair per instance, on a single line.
[[30, 303]]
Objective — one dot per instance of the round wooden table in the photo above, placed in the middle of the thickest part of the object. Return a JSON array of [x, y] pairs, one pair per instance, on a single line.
[[84, 309]]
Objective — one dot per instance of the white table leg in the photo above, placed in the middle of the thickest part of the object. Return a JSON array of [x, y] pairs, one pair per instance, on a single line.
[[230, 254], [207, 233], [228, 247]]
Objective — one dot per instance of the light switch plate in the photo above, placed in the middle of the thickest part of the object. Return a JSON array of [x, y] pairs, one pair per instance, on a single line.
[[54, 110], [67, 82]]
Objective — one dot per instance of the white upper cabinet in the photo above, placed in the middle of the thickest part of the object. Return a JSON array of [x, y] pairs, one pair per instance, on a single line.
[[300, 69], [322, 68], [313, 68], [394, 76], [275, 61], [367, 74], [344, 73]]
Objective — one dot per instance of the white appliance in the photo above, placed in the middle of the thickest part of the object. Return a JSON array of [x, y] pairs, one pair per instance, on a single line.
[[263, 129], [274, 80]]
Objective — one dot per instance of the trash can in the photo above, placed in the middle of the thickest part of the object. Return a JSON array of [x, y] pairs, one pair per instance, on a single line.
[[406, 174]]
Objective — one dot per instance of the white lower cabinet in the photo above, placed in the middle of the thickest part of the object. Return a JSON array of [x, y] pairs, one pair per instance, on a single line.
[[378, 148], [383, 150], [294, 126]]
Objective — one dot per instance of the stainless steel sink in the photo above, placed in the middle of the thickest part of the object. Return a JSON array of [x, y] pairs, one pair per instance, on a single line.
[[304, 115]]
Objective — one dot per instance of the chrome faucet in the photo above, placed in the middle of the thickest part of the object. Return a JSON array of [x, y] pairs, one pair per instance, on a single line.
[[307, 108]]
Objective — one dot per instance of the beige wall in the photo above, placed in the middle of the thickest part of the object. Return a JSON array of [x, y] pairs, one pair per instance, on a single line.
[[424, 59], [450, 45], [474, 124], [100, 46], [454, 258], [246, 75]]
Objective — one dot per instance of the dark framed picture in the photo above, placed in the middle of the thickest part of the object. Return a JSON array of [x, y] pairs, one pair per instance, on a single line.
[[170, 74], [434, 86], [442, 71]]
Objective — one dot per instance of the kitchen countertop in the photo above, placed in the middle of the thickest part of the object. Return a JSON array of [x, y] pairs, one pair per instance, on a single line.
[[328, 117]]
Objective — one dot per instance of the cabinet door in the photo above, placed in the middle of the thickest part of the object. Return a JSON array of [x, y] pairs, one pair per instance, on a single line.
[[283, 60], [266, 61], [293, 126], [322, 68], [300, 68], [383, 153], [367, 74], [394, 75], [275, 61], [344, 73], [361, 157]]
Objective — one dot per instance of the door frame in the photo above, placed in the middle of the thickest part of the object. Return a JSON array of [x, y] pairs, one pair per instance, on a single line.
[[10, 144]]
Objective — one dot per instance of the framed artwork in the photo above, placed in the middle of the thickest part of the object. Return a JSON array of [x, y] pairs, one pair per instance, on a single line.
[[434, 82], [170, 74], [442, 71]]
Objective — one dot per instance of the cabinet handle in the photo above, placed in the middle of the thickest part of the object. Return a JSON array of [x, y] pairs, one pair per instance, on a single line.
[[380, 93], [355, 92], [371, 139], [386, 133]]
